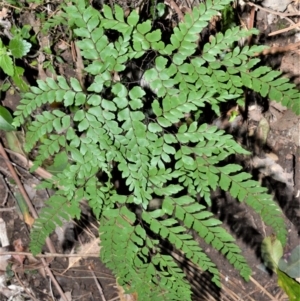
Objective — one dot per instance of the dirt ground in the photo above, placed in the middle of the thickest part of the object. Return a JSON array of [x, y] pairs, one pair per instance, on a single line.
[[85, 278]]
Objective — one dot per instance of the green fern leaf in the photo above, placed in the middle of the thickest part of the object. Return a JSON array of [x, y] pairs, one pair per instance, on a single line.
[[57, 210], [241, 187], [155, 141]]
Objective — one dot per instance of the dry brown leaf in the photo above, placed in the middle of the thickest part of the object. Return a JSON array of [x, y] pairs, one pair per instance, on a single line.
[[28, 219], [3, 234], [126, 297], [19, 247], [89, 248], [4, 260], [33, 6], [5, 243], [62, 45], [3, 13], [68, 296], [11, 292]]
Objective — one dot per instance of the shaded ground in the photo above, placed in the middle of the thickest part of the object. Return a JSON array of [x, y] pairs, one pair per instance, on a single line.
[[82, 280]]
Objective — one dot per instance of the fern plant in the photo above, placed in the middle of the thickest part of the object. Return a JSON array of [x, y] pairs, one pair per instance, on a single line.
[[107, 126]]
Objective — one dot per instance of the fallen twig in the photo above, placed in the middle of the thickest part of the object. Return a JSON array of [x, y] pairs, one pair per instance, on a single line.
[[173, 5], [79, 65], [5, 198], [35, 215], [284, 29], [263, 289], [279, 49], [39, 171], [230, 292], [47, 255], [3, 234], [97, 283], [22, 190], [7, 209], [273, 12], [25, 289]]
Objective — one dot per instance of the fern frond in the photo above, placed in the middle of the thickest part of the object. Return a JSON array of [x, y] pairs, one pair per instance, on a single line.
[[171, 277], [184, 38], [119, 236], [194, 216], [44, 124], [47, 91], [266, 81], [98, 195], [263, 79], [201, 174], [246, 190], [58, 210], [154, 140], [50, 147], [177, 236], [197, 164]]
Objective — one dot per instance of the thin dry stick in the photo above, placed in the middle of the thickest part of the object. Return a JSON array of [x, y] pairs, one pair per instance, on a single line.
[[273, 12], [35, 215], [46, 175], [225, 291], [8, 209], [279, 49], [224, 288], [97, 284], [25, 289], [291, 21], [114, 299], [22, 190], [230, 292], [12, 6], [251, 23], [176, 8], [5, 198], [263, 289], [47, 255], [284, 29], [79, 65]]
